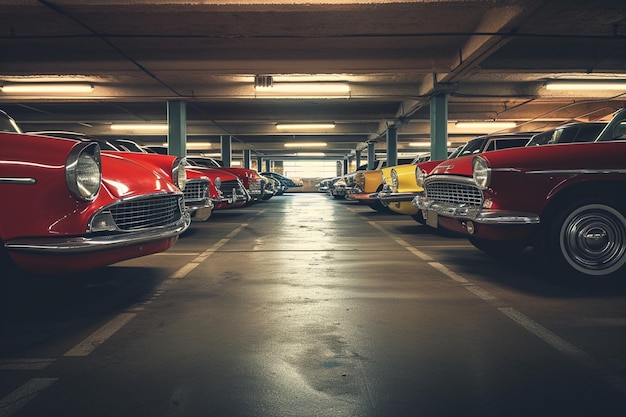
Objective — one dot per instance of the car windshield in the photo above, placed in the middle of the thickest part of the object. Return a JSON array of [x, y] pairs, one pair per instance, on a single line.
[[618, 132], [568, 134], [7, 124], [204, 162]]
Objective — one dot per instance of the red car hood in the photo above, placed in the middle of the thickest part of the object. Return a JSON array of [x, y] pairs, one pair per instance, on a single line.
[[123, 177], [456, 166]]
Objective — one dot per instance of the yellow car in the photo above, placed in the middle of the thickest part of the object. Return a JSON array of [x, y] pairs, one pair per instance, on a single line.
[[366, 186], [400, 187]]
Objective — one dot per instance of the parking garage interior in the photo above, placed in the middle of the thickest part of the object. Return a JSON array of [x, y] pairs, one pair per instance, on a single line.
[[305, 305]]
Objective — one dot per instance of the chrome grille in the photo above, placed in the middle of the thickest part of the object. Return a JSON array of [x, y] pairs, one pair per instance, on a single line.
[[453, 193], [148, 212], [196, 189], [228, 186]]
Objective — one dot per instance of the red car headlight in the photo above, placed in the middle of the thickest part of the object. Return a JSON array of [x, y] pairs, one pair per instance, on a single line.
[[481, 172], [179, 174], [83, 171]]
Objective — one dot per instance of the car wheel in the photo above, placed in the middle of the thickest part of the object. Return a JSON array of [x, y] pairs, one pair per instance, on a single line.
[[589, 239], [498, 248]]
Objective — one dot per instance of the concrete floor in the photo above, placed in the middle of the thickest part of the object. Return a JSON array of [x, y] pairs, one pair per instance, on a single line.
[[307, 306]]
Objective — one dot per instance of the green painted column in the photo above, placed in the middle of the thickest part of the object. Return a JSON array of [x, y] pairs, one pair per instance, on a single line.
[[246, 158], [392, 145], [371, 155], [439, 126], [225, 141], [177, 128]]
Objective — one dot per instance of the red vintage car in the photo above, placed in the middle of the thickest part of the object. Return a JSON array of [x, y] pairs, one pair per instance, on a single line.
[[566, 200], [251, 179], [226, 189], [68, 207]]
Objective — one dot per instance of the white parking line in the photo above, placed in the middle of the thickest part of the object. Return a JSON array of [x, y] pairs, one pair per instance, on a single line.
[[185, 270], [17, 399], [85, 347], [566, 348], [24, 364]]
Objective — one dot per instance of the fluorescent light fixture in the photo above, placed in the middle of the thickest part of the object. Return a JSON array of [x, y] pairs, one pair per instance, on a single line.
[[142, 126], [304, 90], [485, 125], [585, 85], [422, 144], [305, 145], [198, 145], [310, 154], [58, 88], [305, 126]]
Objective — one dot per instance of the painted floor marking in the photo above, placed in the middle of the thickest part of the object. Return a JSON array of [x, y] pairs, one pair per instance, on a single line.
[[17, 399], [570, 351], [85, 347], [185, 270], [24, 364]]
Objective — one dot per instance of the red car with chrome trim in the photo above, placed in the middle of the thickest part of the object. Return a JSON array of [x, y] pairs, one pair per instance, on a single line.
[[68, 207], [566, 200]]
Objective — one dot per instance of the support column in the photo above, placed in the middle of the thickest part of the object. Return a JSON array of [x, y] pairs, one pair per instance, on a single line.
[[259, 163], [345, 166], [357, 158], [177, 128], [225, 141], [439, 127], [268, 165], [371, 155], [246, 158], [392, 145]]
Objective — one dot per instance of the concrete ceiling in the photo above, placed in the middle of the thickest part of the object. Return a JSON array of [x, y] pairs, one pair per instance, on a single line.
[[492, 58]]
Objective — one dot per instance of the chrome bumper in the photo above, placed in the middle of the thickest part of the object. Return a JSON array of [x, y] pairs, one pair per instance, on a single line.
[[389, 197], [475, 214], [97, 242]]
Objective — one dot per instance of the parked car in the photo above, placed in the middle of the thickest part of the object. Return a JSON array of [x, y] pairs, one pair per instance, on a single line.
[[287, 182], [399, 184], [67, 206], [250, 178], [198, 202], [354, 184], [566, 200]]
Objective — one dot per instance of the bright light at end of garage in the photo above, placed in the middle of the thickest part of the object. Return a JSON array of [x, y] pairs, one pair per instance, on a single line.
[[305, 145]]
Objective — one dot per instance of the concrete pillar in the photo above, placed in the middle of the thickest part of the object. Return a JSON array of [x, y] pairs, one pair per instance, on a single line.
[[268, 165], [439, 127], [259, 163], [392, 145], [371, 155], [246, 158], [177, 128], [357, 158], [225, 141]]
